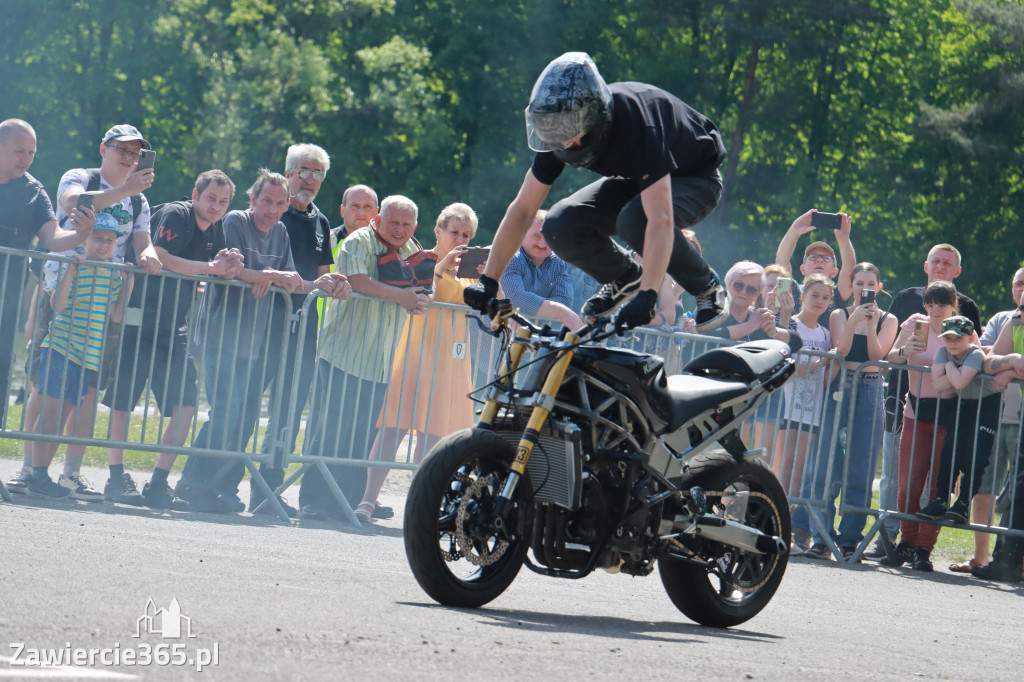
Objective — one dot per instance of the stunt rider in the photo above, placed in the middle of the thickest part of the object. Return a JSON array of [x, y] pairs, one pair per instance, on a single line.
[[659, 160]]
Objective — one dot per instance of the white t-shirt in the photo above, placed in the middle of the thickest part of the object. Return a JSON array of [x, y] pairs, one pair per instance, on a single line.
[[118, 215], [805, 395]]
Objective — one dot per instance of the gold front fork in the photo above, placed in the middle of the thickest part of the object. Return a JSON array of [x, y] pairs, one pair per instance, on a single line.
[[509, 365]]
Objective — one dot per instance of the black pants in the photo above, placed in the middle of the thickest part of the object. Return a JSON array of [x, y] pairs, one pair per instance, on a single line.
[[580, 227], [975, 421]]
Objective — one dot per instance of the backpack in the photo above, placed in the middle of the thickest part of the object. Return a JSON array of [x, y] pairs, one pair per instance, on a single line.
[[94, 184]]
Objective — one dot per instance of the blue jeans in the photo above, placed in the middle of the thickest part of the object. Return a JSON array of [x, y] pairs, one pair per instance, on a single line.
[[889, 482], [233, 387], [852, 465]]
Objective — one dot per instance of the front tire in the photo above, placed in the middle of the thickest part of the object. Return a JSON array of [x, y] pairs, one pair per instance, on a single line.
[[455, 553], [741, 583]]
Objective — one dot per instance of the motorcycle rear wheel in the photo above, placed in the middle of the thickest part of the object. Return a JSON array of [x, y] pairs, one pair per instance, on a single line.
[[742, 583], [454, 552]]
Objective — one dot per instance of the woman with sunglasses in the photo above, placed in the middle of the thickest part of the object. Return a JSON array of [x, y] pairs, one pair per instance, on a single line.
[[743, 284]]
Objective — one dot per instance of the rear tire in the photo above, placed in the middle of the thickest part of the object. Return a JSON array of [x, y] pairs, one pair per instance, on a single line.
[[454, 552], [742, 583]]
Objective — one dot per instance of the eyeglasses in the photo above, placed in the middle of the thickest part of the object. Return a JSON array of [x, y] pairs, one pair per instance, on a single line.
[[739, 287], [124, 151], [819, 258], [305, 173]]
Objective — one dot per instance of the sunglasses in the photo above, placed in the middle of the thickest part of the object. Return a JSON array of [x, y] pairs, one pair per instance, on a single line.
[[305, 173], [739, 287]]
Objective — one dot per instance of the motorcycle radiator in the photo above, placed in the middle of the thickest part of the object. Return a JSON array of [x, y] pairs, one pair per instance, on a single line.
[[556, 464]]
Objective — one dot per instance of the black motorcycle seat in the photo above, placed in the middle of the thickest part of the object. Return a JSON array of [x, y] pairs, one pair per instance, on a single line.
[[746, 361], [689, 395]]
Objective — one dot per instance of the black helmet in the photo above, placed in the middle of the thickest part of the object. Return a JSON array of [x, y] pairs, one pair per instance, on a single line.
[[569, 98]]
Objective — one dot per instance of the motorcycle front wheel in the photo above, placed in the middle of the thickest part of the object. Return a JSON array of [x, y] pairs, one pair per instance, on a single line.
[[739, 583], [456, 551]]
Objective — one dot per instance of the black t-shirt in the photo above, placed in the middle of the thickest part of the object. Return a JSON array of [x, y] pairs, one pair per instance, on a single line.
[[653, 134], [910, 301], [309, 233], [906, 303], [173, 227], [24, 208]]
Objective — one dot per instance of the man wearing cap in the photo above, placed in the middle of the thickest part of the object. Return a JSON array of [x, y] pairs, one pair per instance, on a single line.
[[820, 258], [120, 206]]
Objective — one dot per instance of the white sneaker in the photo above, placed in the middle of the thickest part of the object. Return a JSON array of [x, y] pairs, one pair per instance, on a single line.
[[19, 484], [80, 488]]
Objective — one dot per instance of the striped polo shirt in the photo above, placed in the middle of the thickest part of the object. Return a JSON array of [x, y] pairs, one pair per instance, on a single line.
[[77, 331]]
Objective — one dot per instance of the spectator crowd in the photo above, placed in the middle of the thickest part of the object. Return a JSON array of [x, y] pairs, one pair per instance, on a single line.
[[135, 294]]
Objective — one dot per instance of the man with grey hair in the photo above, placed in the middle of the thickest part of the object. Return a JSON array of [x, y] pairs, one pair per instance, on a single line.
[[235, 324], [25, 213], [309, 233], [357, 347]]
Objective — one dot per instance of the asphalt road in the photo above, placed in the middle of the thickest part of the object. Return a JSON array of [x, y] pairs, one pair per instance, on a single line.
[[327, 601]]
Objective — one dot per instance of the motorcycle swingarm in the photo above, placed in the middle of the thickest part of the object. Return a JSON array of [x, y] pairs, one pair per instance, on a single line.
[[732, 533]]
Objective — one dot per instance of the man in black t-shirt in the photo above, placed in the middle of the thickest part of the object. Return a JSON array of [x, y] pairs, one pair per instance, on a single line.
[[189, 240], [942, 264], [659, 159], [25, 213]]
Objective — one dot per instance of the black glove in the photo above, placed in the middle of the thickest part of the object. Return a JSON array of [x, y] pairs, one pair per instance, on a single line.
[[478, 295], [638, 311]]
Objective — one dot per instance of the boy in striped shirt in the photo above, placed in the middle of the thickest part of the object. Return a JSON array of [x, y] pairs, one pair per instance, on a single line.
[[72, 352]]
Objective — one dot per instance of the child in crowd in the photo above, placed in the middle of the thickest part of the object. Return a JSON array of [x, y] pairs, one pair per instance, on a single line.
[[862, 334], [958, 365], [71, 356], [805, 392]]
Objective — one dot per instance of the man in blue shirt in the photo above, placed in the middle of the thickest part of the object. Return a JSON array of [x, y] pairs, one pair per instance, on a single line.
[[538, 282]]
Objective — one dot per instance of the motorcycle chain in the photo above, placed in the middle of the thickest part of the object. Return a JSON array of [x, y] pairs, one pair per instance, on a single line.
[[735, 585], [485, 556]]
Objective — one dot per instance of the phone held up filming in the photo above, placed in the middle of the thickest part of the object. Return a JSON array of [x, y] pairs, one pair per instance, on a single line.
[[826, 221]]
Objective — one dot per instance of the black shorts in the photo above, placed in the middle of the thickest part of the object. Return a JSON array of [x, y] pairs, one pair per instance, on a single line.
[[163, 360]]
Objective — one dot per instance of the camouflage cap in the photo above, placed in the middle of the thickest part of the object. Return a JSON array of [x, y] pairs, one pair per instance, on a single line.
[[958, 325]]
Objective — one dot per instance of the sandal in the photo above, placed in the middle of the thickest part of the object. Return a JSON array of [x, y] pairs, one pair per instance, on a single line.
[[965, 566], [364, 511]]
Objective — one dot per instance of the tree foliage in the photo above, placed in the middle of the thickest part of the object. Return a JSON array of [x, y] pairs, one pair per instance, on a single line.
[[905, 114]]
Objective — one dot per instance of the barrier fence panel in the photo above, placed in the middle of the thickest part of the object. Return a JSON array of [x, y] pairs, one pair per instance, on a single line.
[[146, 345], [384, 386]]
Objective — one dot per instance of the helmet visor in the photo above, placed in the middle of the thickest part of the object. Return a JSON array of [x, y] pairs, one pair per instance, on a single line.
[[551, 132]]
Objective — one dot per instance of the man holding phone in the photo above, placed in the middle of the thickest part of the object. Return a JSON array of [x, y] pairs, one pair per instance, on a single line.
[[119, 205], [819, 257]]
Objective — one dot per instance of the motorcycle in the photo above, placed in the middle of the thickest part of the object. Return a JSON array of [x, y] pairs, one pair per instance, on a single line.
[[588, 457]]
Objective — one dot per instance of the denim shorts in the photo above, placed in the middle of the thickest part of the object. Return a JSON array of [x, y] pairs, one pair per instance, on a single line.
[[64, 379]]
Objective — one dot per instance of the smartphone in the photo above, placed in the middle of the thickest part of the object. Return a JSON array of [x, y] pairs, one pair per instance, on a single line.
[[782, 284], [474, 256], [85, 200], [146, 159], [867, 296], [921, 331], [826, 221]]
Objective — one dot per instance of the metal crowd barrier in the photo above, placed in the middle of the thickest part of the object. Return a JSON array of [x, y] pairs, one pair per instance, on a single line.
[[347, 402], [129, 338], [825, 466]]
